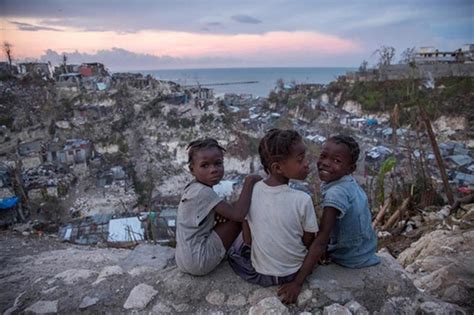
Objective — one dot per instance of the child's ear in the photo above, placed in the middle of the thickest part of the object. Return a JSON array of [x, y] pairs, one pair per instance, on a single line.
[[275, 168], [352, 168], [190, 168]]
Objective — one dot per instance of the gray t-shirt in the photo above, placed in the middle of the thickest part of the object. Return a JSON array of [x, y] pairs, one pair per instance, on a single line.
[[198, 248]]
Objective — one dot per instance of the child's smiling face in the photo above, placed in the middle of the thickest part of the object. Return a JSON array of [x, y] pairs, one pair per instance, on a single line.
[[208, 166], [334, 161]]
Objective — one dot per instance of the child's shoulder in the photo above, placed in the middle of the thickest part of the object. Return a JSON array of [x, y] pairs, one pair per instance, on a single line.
[[195, 188], [344, 185], [299, 194]]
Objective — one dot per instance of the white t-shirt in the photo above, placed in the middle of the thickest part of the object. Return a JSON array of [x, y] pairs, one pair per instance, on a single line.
[[278, 217]]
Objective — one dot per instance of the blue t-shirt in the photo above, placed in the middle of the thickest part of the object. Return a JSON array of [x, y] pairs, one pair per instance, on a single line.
[[353, 242]]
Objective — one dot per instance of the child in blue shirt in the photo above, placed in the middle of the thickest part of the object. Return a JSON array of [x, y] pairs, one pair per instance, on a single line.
[[346, 233]]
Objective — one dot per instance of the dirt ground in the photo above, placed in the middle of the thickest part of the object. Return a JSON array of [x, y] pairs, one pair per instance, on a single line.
[[14, 246]]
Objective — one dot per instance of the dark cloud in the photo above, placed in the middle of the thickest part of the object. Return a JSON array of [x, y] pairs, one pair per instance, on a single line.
[[33, 28], [118, 59], [245, 19]]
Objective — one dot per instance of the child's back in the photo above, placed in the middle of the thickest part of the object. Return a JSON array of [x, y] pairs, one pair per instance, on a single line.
[[278, 217], [282, 220]]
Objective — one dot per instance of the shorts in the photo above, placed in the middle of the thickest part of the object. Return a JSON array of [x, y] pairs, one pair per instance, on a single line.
[[240, 260]]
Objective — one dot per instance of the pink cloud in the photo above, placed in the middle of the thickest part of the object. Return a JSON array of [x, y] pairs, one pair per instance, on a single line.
[[184, 44], [274, 43]]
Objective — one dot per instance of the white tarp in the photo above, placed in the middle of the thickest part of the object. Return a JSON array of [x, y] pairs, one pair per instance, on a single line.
[[224, 188], [125, 230]]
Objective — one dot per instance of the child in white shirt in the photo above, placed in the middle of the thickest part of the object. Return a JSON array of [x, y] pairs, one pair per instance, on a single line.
[[282, 220]]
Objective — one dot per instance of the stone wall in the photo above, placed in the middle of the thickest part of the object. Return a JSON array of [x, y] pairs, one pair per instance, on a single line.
[[422, 71]]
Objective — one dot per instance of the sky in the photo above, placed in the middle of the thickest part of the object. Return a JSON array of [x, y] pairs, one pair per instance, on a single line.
[[173, 34]]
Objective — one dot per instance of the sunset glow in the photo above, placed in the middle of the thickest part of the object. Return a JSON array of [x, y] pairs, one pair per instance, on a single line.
[[177, 44]]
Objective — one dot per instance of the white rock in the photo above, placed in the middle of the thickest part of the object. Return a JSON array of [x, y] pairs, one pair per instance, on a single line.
[[141, 270], [160, 308], [43, 307], [399, 305], [304, 297], [271, 305], [336, 309], [260, 294], [108, 271], [236, 300], [88, 301], [140, 296], [215, 297], [356, 308], [72, 276], [438, 308], [180, 308]]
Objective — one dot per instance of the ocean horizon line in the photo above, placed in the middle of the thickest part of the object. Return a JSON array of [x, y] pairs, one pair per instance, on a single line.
[[265, 77], [232, 68]]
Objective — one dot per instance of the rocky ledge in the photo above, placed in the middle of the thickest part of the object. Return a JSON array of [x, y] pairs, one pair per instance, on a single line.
[[145, 281]]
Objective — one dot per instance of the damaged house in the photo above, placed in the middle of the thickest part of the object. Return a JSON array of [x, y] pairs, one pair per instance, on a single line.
[[115, 177], [94, 76], [135, 80], [200, 97], [43, 69], [74, 151], [32, 153], [90, 112], [46, 181]]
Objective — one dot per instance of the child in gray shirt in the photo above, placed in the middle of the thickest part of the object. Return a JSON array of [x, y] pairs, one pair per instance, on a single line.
[[200, 243]]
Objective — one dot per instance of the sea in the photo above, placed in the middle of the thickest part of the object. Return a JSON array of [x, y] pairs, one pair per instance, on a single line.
[[255, 81]]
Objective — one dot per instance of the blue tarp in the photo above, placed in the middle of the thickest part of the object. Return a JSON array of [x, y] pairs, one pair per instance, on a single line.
[[8, 202], [372, 122]]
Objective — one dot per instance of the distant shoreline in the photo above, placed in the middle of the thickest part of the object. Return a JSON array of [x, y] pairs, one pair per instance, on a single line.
[[266, 77]]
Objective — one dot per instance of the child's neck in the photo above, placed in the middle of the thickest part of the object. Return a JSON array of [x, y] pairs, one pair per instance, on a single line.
[[276, 180]]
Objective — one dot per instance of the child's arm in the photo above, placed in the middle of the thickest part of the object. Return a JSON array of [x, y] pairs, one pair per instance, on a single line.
[[308, 239], [290, 291], [246, 234], [239, 210]]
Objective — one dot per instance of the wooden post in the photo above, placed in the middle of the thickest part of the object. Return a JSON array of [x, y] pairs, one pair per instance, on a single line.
[[397, 214], [437, 153], [382, 211]]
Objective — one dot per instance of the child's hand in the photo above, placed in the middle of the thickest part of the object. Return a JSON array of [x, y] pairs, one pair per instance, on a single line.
[[220, 219], [253, 178], [289, 292]]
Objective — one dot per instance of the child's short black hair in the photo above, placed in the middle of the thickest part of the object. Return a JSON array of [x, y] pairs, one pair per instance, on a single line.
[[201, 144], [353, 146], [275, 146]]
